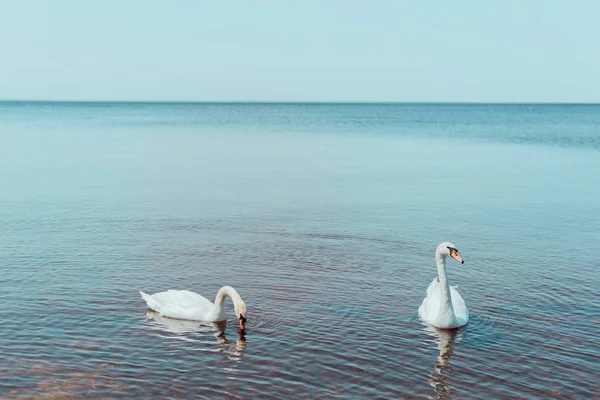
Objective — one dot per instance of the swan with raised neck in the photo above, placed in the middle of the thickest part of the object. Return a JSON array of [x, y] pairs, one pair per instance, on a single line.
[[444, 307]]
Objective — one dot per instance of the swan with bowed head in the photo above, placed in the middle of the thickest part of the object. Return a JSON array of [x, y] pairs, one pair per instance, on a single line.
[[444, 307], [183, 304]]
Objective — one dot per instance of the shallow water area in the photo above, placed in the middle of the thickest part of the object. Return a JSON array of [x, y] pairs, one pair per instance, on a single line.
[[325, 218]]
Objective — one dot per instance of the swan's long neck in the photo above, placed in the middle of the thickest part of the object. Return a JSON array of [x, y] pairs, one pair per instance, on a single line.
[[446, 308], [224, 292]]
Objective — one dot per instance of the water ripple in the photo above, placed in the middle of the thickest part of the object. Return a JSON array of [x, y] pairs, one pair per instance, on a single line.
[[325, 219]]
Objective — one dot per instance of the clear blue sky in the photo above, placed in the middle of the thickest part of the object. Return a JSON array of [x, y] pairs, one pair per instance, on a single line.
[[310, 50]]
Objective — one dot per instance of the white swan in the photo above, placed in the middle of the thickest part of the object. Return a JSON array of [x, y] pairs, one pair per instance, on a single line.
[[183, 304], [443, 306]]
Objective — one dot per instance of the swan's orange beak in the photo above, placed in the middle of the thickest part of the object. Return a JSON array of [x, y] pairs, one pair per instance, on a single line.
[[454, 254], [242, 323]]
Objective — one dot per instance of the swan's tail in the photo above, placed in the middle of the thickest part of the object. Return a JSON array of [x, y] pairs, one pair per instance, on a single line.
[[152, 304]]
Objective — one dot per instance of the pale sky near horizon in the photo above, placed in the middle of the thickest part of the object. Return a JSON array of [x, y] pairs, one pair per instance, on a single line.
[[269, 50]]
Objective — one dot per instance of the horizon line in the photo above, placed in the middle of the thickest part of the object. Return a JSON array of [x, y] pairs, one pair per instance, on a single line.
[[307, 102]]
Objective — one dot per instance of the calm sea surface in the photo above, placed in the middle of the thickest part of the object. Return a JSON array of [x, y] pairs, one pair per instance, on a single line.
[[325, 218]]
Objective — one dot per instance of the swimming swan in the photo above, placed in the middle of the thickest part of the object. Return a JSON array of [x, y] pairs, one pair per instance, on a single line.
[[183, 304], [443, 306]]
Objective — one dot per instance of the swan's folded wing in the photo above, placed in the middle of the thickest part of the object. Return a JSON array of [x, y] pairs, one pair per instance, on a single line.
[[431, 304], [459, 305], [183, 304], [199, 300], [434, 287], [175, 311], [182, 299]]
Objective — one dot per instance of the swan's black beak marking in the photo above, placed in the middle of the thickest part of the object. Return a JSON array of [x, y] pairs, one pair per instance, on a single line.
[[242, 322]]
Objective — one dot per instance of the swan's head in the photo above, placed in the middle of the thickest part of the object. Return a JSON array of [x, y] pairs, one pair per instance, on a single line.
[[240, 312], [446, 249]]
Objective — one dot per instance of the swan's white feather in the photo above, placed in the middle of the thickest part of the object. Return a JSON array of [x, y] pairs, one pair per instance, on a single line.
[[152, 304], [183, 304], [430, 307]]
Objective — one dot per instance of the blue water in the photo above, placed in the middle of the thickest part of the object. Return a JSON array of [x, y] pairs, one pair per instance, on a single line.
[[325, 218]]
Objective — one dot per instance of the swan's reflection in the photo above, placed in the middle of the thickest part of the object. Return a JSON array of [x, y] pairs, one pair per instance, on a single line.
[[180, 326], [440, 380]]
